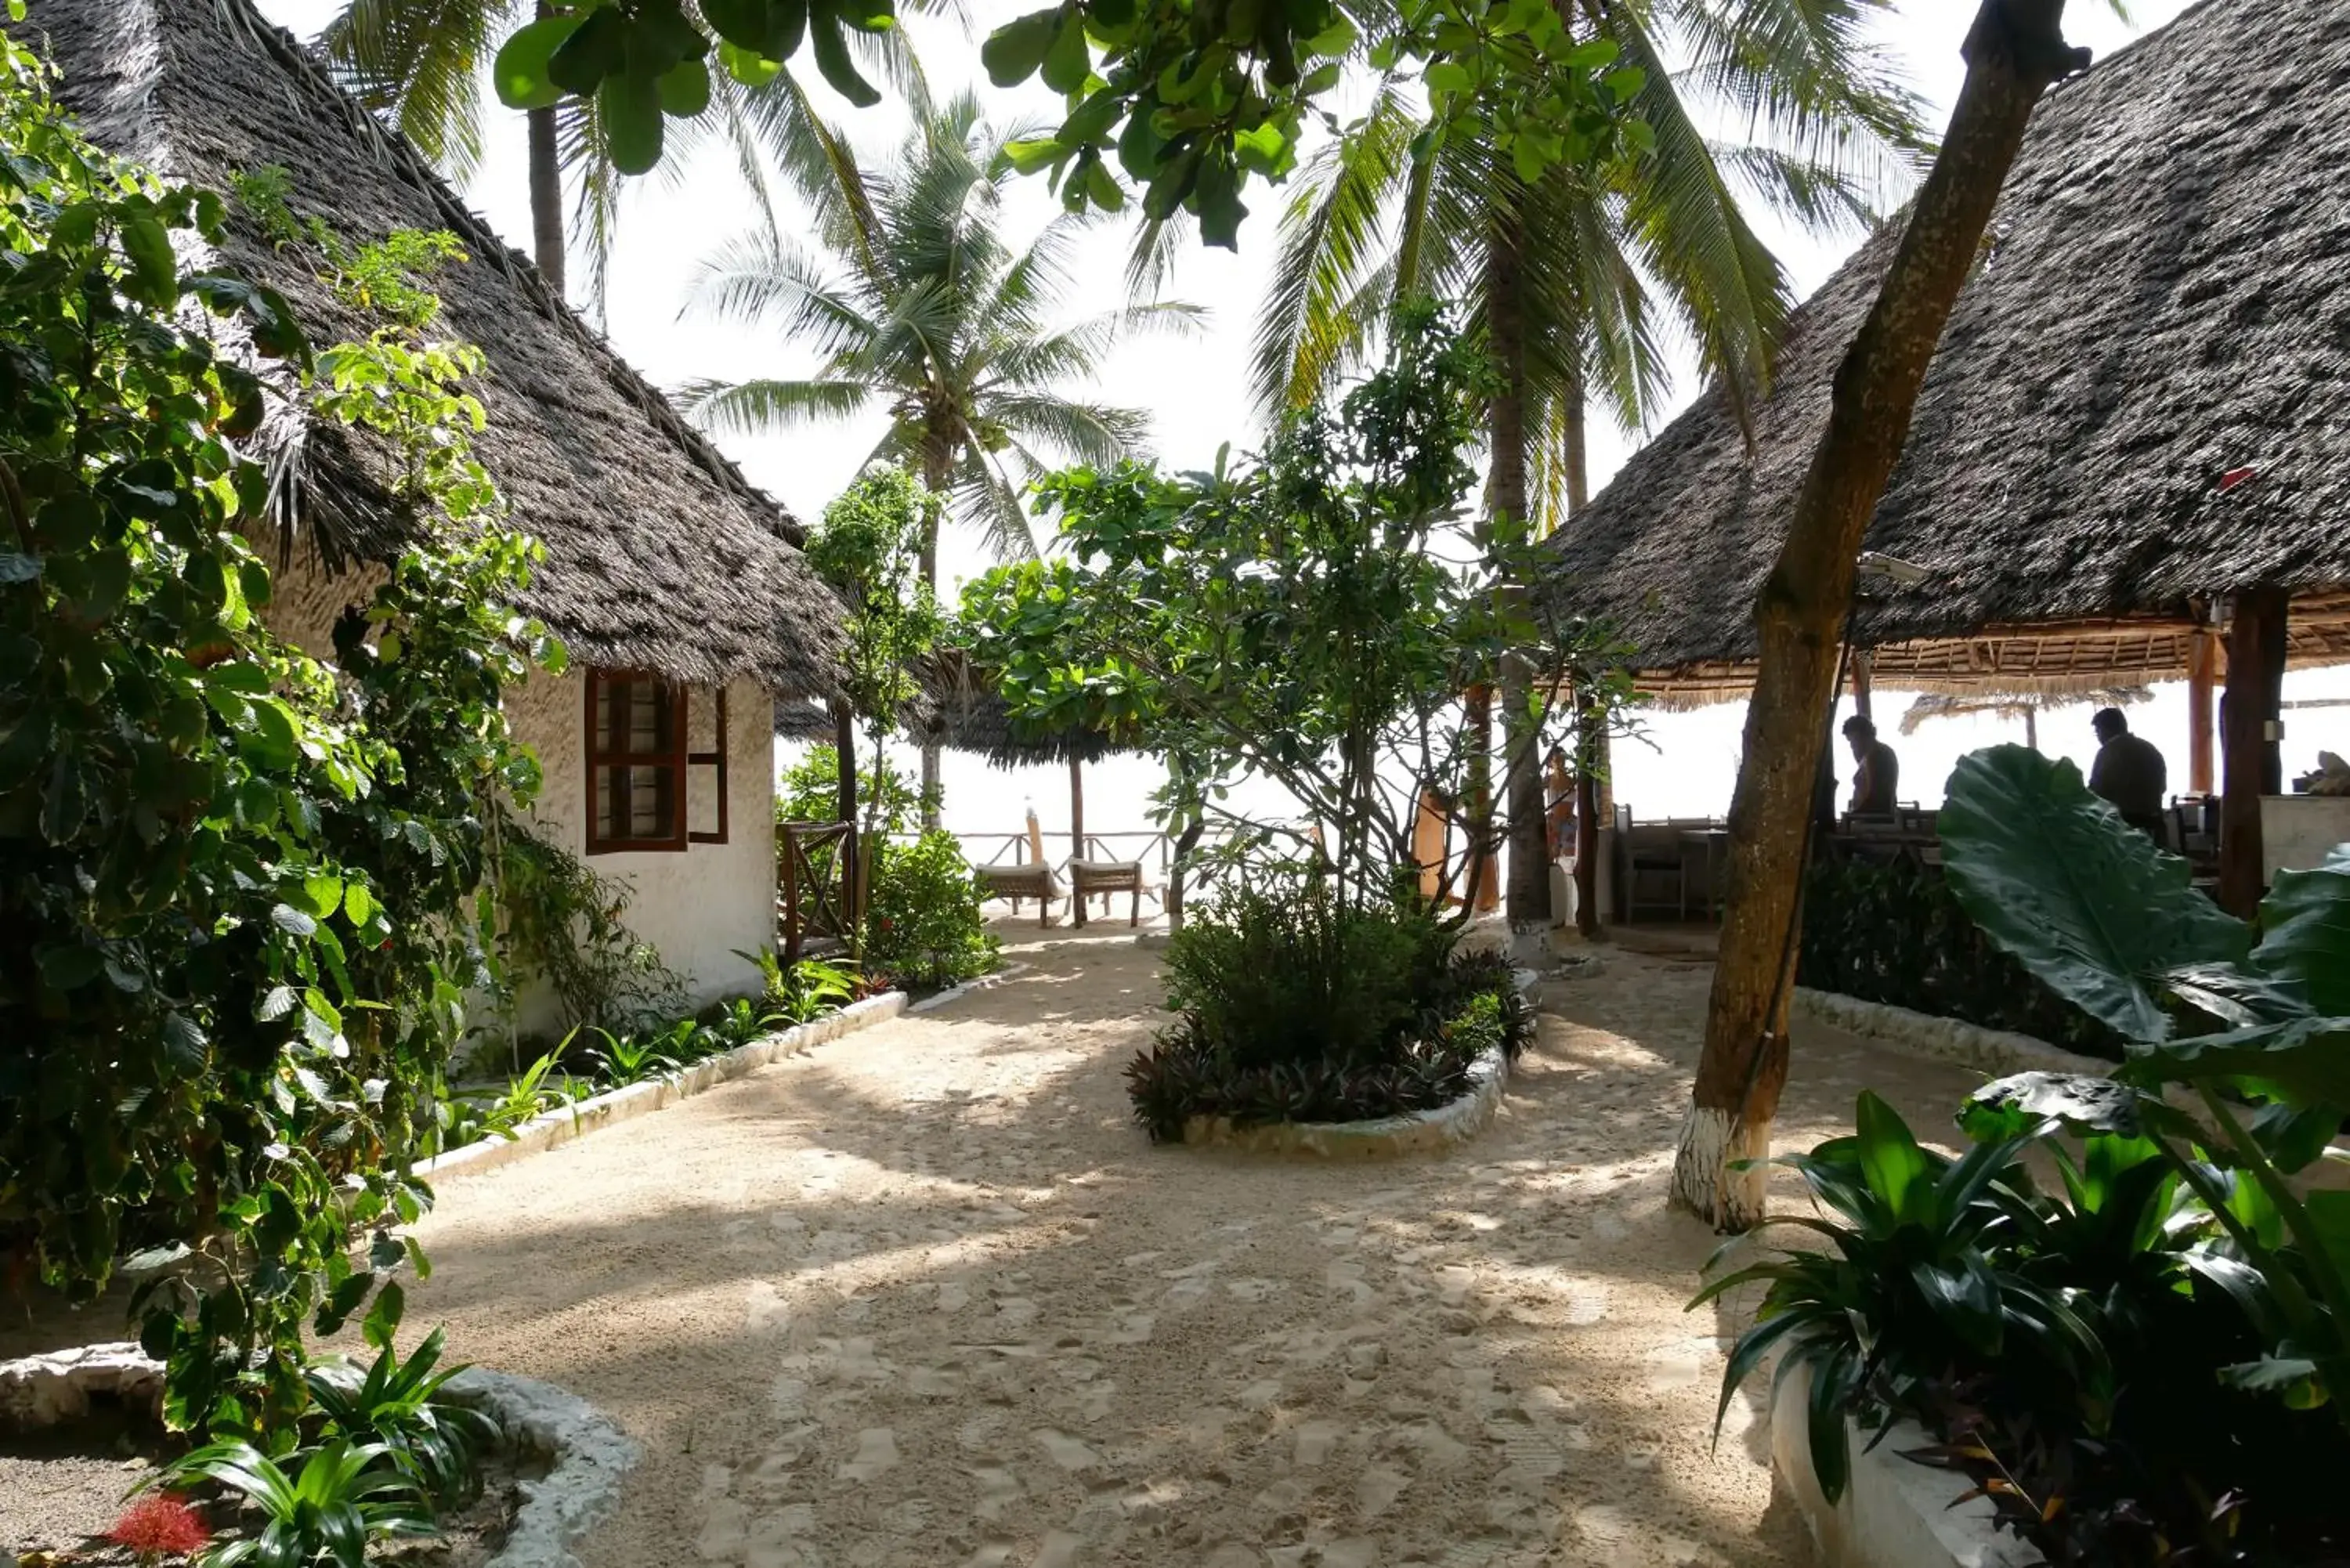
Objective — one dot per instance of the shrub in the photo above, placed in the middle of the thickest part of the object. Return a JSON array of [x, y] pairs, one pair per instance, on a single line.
[[1296, 1008], [810, 792], [924, 918], [1895, 933]]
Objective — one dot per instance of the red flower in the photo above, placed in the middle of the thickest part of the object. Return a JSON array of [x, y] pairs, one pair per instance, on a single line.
[[158, 1525]]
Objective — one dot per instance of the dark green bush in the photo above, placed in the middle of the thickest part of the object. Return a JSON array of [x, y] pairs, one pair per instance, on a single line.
[[1294, 1008], [924, 921], [1893, 933]]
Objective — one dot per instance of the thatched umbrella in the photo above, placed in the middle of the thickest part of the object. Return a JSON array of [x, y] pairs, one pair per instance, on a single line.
[[2024, 705], [660, 555]]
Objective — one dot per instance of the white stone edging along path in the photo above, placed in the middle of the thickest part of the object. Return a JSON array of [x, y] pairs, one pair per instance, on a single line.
[[987, 981], [1993, 1050], [1414, 1132], [1894, 1512], [566, 1123], [586, 1452]]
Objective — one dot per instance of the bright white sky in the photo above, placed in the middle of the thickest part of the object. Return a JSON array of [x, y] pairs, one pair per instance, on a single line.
[[1194, 389]]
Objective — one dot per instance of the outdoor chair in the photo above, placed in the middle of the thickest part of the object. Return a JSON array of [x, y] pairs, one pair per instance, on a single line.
[[1032, 878], [1088, 878], [1653, 850]]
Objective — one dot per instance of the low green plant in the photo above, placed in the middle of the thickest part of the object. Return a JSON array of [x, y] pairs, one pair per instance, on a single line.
[[400, 1406], [1909, 1289], [625, 1059], [325, 1504], [925, 919], [809, 790], [807, 990], [1294, 1009]]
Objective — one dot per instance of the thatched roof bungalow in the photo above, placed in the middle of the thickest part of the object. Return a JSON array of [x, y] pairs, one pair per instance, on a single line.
[[678, 587], [2141, 406]]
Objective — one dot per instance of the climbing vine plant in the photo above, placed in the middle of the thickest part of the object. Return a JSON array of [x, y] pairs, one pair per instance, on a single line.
[[241, 892]]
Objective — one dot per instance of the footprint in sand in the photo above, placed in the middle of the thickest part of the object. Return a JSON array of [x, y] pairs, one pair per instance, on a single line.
[[877, 1451], [764, 1310], [1059, 1550], [1316, 1438], [1069, 1453], [999, 1489], [1377, 1489]]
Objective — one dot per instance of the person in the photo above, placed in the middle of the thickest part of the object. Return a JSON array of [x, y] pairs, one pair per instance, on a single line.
[[2129, 773], [1558, 784], [1879, 774]]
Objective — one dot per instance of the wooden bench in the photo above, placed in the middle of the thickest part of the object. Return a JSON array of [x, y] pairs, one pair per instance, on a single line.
[[1032, 878]]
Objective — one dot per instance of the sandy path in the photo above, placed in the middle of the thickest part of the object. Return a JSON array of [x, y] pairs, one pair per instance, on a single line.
[[926, 1298]]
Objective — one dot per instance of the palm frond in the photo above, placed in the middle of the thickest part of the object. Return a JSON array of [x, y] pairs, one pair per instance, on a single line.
[[421, 62], [762, 276], [769, 407]]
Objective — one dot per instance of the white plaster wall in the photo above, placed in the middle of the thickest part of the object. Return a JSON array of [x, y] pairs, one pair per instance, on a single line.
[[2299, 831], [699, 906]]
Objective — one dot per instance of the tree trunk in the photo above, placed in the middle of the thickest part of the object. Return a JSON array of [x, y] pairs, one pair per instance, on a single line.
[[1505, 328], [2202, 668], [1590, 732], [2013, 52], [937, 471], [545, 194]]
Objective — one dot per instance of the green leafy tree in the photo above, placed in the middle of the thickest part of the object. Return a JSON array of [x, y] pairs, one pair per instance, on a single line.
[[868, 548], [1191, 101], [1295, 618], [923, 307], [239, 892], [1559, 260]]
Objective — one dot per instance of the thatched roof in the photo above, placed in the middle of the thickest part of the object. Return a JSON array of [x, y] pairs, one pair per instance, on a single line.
[[2163, 302], [962, 707], [660, 555]]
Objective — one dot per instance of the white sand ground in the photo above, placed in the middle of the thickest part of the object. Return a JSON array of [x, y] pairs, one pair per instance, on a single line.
[[926, 1298]]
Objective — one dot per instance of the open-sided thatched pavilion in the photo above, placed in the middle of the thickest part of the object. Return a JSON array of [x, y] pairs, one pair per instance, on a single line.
[[2131, 461], [678, 588]]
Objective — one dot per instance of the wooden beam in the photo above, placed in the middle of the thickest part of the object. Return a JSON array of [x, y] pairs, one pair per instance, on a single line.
[[1864, 666], [2252, 737], [2202, 672]]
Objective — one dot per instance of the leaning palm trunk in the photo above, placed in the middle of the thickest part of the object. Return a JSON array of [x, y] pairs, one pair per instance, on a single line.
[[938, 471], [2013, 52]]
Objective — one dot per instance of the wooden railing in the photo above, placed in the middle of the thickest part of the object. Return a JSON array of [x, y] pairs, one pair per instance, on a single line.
[[818, 884]]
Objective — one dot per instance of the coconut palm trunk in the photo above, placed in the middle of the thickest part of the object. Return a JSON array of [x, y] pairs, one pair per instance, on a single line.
[[1528, 894], [2014, 51], [546, 198], [938, 474]]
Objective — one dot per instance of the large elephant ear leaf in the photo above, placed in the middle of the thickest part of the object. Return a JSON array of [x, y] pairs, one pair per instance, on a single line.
[[2086, 903], [2305, 932], [2016, 1107]]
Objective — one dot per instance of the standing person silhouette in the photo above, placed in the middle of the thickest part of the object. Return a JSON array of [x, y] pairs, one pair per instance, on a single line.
[[2129, 773], [1875, 783]]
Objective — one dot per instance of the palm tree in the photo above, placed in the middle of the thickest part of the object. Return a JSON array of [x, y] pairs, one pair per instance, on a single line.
[[423, 65], [921, 307], [1577, 278]]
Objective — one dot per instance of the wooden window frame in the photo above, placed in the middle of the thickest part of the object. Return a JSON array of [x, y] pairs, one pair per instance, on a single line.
[[716, 761], [599, 682]]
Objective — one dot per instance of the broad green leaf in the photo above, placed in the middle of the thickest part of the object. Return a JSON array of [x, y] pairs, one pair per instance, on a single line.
[[2306, 1059], [1015, 51], [631, 106], [685, 89], [2052, 875], [830, 47], [1068, 61], [520, 71], [597, 51], [154, 269], [1889, 1151], [2010, 1108], [2305, 932], [747, 66]]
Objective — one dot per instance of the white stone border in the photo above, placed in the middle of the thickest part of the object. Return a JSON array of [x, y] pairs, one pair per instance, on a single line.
[[1993, 1050], [1414, 1132], [1894, 1512], [987, 981], [567, 1124], [587, 1457]]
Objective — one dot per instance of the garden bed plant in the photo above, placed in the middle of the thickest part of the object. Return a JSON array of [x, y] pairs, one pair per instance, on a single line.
[[2147, 1361], [1293, 1008]]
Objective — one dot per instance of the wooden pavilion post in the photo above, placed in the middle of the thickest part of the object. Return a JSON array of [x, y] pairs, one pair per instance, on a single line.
[[2202, 669], [2251, 736], [1864, 675], [1077, 833]]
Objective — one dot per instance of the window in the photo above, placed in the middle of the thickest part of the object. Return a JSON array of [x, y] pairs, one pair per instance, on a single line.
[[654, 783]]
